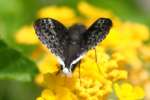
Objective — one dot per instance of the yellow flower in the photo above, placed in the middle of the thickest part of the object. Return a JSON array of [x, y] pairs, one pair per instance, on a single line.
[[90, 84], [126, 91], [59, 94], [127, 39], [26, 35], [58, 88], [145, 54], [48, 64], [63, 14], [93, 13], [139, 32]]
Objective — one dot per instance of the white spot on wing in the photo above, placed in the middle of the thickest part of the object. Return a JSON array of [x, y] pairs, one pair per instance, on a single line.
[[76, 60], [61, 61]]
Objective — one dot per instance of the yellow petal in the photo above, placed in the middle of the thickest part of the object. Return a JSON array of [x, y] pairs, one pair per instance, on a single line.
[[63, 14], [26, 35], [48, 95]]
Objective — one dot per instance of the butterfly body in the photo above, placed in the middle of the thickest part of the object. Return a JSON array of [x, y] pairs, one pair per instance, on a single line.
[[70, 45]]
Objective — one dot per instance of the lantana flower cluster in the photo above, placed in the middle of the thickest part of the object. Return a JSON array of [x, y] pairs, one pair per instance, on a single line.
[[120, 69]]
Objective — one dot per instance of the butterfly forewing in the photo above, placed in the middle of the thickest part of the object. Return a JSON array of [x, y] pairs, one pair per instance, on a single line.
[[53, 34], [96, 33]]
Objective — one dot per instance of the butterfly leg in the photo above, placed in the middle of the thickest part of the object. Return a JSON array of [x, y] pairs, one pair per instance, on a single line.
[[59, 71], [98, 67]]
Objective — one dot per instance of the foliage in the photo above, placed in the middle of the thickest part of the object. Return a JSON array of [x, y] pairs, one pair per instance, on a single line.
[[14, 65]]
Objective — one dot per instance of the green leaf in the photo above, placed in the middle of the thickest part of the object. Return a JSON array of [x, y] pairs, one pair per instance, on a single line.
[[2, 44], [13, 65], [26, 49]]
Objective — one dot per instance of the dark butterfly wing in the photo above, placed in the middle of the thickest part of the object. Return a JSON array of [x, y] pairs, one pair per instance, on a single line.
[[54, 35], [96, 33]]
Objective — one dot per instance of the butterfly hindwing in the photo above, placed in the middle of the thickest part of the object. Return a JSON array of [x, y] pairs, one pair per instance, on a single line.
[[53, 34], [96, 33]]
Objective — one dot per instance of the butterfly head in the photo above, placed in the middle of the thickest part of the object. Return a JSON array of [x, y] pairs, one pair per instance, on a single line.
[[67, 72]]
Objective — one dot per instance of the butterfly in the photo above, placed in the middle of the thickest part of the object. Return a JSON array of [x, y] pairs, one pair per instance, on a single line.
[[69, 45]]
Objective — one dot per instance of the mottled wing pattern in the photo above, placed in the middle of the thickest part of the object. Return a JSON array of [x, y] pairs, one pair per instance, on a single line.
[[96, 33], [53, 34]]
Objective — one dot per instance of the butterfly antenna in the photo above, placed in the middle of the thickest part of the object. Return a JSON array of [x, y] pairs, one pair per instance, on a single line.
[[79, 72], [99, 69]]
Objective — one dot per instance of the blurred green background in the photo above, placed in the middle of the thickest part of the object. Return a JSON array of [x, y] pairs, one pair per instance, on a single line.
[[16, 13]]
